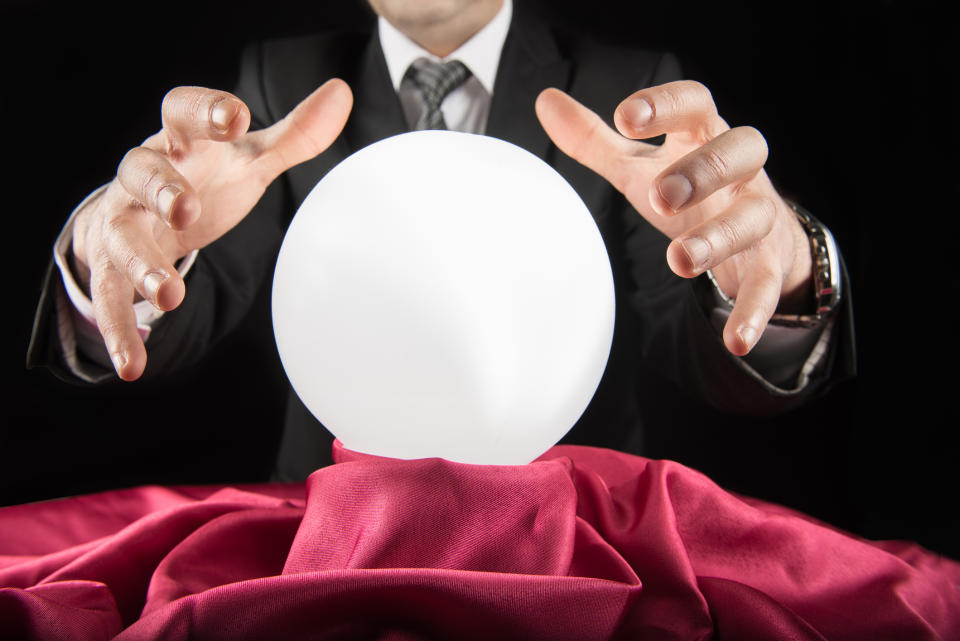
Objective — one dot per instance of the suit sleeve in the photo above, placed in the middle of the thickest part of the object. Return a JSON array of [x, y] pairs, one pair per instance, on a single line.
[[221, 285], [678, 337]]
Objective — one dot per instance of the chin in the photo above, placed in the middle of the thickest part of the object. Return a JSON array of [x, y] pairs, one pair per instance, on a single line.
[[421, 12]]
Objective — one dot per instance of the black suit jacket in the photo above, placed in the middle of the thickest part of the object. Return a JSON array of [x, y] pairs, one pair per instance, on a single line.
[[660, 325]]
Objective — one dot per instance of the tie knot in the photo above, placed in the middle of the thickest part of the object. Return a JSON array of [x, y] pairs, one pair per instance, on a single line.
[[435, 80]]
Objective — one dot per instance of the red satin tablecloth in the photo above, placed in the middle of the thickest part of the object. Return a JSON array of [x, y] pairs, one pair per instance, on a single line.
[[582, 544]]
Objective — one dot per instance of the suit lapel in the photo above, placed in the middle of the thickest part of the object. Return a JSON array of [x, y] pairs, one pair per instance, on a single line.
[[377, 113], [530, 63]]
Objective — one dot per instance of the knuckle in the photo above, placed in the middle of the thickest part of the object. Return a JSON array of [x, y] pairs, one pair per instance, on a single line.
[[120, 252], [172, 98], [730, 233], [749, 130], [188, 106], [712, 165], [130, 204], [700, 89], [99, 264], [747, 255], [170, 102], [119, 236], [129, 159], [759, 213], [110, 328], [704, 133], [128, 163], [150, 183], [107, 325], [114, 223], [130, 263], [139, 173], [100, 288], [767, 274], [161, 142], [671, 101], [198, 107], [768, 302], [762, 291], [768, 212], [756, 138], [589, 139]]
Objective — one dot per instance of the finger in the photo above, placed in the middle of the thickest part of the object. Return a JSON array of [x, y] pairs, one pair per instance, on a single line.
[[197, 113], [135, 254], [713, 241], [153, 182], [112, 298], [582, 135], [684, 105], [756, 302], [734, 156], [158, 142], [307, 130]]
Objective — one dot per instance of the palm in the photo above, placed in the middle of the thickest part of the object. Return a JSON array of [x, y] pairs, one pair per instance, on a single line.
[[230, 176], [229, 184]]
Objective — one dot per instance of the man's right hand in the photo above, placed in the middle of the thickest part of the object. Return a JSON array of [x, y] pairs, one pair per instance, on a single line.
[[185, 187]]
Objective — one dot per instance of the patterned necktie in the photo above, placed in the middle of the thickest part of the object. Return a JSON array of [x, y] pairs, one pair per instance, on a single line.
[[435, 80]]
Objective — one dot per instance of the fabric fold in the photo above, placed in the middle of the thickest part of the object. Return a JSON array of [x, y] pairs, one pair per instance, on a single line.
[[583, 543], [431, 513]]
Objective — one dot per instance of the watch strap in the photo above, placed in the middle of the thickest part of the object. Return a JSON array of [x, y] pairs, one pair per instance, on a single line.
[[826, 274]]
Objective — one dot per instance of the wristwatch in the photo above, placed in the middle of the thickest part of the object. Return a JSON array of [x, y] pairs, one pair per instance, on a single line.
[[826, 273]]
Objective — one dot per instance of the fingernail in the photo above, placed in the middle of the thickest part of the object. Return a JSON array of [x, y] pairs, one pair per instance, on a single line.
[[165, 200], [698, 251], [637, 113], [222, 114], [675, 191], [119, 360], [748, 335], [151, 285]]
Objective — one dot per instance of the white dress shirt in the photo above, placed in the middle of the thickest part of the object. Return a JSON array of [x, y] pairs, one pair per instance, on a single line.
[[465, 108]]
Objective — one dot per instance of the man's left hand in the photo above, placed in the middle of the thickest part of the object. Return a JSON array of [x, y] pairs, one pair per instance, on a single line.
[[705, 188]]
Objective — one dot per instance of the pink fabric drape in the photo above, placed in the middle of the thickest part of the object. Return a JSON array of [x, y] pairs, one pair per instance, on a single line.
[[582, 544]]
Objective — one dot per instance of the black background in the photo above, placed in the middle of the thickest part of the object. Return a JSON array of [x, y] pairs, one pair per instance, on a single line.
[[856, 101]]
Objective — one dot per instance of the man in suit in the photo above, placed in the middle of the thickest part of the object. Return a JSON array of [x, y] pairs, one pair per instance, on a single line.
[[193, 221]]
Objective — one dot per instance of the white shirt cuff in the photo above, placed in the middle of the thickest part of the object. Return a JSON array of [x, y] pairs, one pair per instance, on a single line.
[[147, 315]]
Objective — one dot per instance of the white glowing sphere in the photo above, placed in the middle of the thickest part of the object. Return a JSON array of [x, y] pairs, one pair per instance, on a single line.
[[441, 294]]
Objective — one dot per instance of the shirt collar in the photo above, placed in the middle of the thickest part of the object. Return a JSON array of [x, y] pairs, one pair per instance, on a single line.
[[481, 53]]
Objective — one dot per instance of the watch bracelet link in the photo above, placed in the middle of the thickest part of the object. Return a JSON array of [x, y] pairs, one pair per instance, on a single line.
[[826, 273]]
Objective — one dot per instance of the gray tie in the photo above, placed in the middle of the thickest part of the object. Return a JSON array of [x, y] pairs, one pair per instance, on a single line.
[[435, 80]]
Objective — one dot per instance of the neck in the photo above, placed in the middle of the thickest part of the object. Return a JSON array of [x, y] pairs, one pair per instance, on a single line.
[[445, 35]]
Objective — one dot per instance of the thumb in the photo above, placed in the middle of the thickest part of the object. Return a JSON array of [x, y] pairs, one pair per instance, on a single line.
[[308, 129], [583, 135]]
